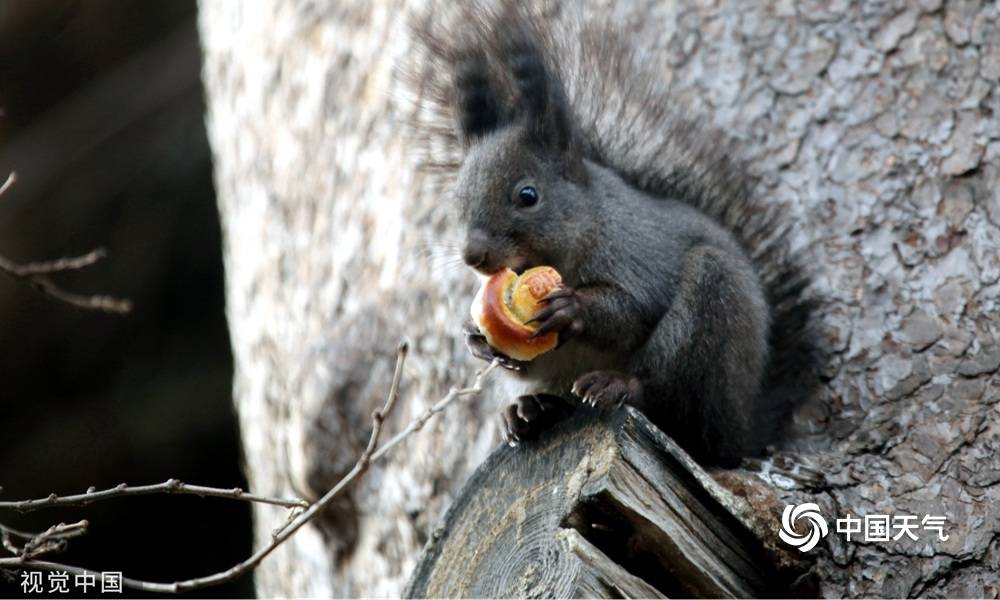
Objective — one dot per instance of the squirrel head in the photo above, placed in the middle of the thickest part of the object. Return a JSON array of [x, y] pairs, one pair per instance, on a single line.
[[522, 187]]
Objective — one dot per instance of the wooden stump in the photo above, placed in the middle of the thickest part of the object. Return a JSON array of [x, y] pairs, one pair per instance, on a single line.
[[604, 505]]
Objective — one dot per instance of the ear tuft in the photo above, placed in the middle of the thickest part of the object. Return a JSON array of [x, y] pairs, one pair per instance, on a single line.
[[541, 102], [479, 110], [529, 72]]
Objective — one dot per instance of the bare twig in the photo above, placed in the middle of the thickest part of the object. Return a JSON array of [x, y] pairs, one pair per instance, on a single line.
[[11, 180], [439, 406], [35, 274], [372, 453], [24, 535], [7, 542], [171, 486], [53, 539], [289, 519], [7, 535], [55, 266]]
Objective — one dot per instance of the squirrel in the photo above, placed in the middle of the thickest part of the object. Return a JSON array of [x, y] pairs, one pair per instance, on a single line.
[[680, 297]]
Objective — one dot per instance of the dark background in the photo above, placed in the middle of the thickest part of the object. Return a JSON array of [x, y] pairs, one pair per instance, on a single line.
[[102, 118]]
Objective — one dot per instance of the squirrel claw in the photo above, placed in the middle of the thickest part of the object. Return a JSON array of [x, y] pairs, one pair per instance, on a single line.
[[608, 388], [562, 313], [525, 416], [476, 342], [562, 292]]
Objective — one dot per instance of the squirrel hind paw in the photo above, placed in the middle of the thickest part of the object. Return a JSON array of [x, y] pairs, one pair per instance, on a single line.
[[602, 389], [525, 417]]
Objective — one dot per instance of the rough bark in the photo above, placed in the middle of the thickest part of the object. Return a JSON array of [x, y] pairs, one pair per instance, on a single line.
[[878, 121]]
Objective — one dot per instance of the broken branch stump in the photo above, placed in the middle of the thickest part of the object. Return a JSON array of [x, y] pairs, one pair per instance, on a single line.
[[603, 505]]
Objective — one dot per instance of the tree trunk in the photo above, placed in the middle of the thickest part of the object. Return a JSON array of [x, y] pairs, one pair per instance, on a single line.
[[877, 121]]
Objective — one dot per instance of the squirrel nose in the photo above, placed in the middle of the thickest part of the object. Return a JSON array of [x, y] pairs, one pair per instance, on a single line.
[[475, 253]]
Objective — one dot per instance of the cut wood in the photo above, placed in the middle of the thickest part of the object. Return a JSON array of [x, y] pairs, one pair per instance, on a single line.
[[604, 505]]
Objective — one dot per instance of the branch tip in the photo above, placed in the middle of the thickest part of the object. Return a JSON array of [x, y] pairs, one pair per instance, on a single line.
[[11, 180]]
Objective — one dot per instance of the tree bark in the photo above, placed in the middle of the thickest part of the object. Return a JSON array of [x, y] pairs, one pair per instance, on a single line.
[[878, 121]]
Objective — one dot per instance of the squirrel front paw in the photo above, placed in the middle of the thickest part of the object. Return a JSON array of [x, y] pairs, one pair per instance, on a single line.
[[562, 313], [608, 388], [524, 416], [476, 342]]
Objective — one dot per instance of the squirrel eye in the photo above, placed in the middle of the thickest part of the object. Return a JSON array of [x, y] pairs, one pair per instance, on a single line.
[[527, 196]]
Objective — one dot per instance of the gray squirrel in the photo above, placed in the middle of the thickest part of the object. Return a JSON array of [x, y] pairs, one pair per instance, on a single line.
[[680, 296]]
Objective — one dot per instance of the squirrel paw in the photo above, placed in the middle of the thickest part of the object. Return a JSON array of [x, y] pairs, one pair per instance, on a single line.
[[562, 313], [608, 388], [525, 416], [481, 349]]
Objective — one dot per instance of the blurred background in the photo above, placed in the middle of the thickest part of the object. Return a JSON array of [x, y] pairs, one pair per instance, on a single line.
[[101, 116]]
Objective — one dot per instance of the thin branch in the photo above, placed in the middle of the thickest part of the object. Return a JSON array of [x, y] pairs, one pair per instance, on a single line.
[[284, 533], [7, 542], [24, 535], [7, 535], [53, 539], [11, 180], [420, 421], [171, 486], [289, 519], [58, 265], [35, 274]]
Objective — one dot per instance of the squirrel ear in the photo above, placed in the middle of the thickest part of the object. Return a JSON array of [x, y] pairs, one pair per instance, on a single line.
[[560, 132], [542, 103], [479, 111]]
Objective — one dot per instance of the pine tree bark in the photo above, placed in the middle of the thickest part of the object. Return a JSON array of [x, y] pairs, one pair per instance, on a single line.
[[878, 121]]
